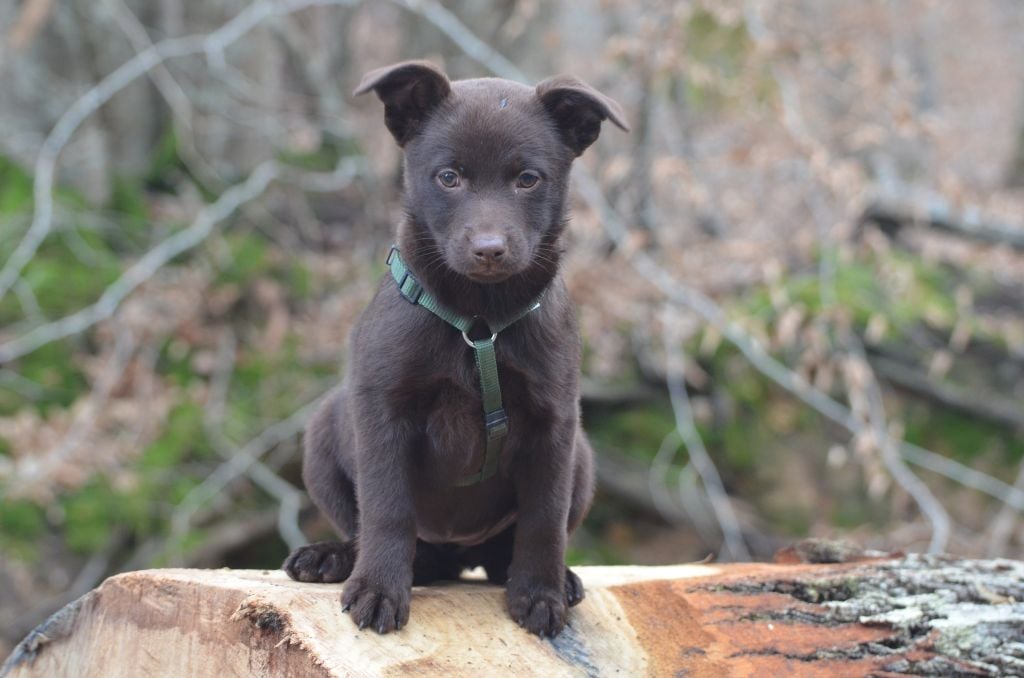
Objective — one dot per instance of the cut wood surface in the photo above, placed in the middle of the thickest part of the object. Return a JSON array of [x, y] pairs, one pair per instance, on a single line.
[[888, 616]]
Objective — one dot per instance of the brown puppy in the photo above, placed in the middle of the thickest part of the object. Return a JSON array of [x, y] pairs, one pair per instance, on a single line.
[[486, 179]]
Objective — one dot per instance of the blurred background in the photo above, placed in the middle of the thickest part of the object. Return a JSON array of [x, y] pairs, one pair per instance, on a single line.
[[800, 278]]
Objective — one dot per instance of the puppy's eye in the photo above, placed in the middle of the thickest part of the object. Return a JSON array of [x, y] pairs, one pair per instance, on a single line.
[[527, 180], [449, 178]]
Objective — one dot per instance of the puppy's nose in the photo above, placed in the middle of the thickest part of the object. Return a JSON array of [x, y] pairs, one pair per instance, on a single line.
[[488, 247]]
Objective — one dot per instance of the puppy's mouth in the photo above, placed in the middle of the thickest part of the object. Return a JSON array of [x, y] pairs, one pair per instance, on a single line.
[[486, 272], [488, 276]]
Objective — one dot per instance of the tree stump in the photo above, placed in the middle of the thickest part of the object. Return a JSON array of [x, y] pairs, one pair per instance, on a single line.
[[919, 615]]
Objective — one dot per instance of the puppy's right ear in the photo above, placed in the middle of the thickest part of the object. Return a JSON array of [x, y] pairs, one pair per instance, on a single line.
[[410, 90]]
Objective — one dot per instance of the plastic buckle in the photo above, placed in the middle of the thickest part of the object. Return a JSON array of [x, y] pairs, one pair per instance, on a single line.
[[413, 296], [391, 254], [496, 423]]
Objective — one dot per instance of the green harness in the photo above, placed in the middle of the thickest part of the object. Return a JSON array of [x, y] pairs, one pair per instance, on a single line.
[[495, 421]]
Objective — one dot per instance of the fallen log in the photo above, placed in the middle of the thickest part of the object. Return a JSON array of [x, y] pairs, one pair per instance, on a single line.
[[935, 212], [916, 614], [990, 407]]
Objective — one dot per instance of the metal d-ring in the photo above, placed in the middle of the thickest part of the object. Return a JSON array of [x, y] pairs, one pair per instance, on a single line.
[[469, 342]]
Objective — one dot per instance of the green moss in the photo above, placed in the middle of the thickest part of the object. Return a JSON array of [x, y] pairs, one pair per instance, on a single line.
[[961, 436], [636, 431], [175, 362], [791, 520], [61, 279], [53, 368], [140, 509], [848, 515], [129, 206], [853, 511], [326, 157], [298, 279], [91, 513], [15, 188], [598, 553], [21, 524], [723, 50], [94, 511], [21, 519], [165, 163], [248, 259], [183, 438], [862, 288], [740, 442], [716, 44]]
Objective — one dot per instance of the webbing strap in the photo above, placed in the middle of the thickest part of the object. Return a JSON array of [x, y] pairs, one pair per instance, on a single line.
[[495, 421]]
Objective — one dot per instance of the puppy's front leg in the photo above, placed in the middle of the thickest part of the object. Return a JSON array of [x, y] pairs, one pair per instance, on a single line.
[[377, 593], [536, 583]]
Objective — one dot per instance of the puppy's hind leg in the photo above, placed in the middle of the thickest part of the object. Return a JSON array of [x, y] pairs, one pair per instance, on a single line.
[[333, 492], [494, 555], [435, 562]]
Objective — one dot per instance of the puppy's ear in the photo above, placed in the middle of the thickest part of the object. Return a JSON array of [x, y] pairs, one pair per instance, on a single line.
[[578, 110], [410, 90]]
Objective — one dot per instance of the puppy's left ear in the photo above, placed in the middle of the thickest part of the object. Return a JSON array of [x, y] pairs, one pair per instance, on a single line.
[[578, 110], [410, 91]]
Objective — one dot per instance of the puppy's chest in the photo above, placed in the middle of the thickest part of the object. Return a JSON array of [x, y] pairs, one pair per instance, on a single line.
[[454, 421]]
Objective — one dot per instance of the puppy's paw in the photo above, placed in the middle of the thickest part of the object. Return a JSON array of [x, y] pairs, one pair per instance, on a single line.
[[381, 607], [540, 610], [325, 562], [573, 589]]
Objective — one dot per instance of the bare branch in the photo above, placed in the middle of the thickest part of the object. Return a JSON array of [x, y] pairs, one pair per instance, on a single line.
[[144, 268], [931, 507], [180, 242], [289, 498], [237, 465], [161, 77], [468, 42], [211, 44], [699, 457]]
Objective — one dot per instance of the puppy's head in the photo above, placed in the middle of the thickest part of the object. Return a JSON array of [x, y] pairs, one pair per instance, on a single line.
[[487, 162]]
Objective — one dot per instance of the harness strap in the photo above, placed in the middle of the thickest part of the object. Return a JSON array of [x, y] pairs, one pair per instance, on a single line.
[[495, 420]]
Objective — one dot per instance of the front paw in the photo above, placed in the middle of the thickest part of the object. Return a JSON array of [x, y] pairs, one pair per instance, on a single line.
[[538, 609], [325, 561], [382, 607]]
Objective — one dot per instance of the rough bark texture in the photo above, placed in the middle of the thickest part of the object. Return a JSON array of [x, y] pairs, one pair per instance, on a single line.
[[910, 615]]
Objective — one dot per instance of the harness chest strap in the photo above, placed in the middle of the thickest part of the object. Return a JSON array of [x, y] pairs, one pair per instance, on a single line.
[[495, 421]]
